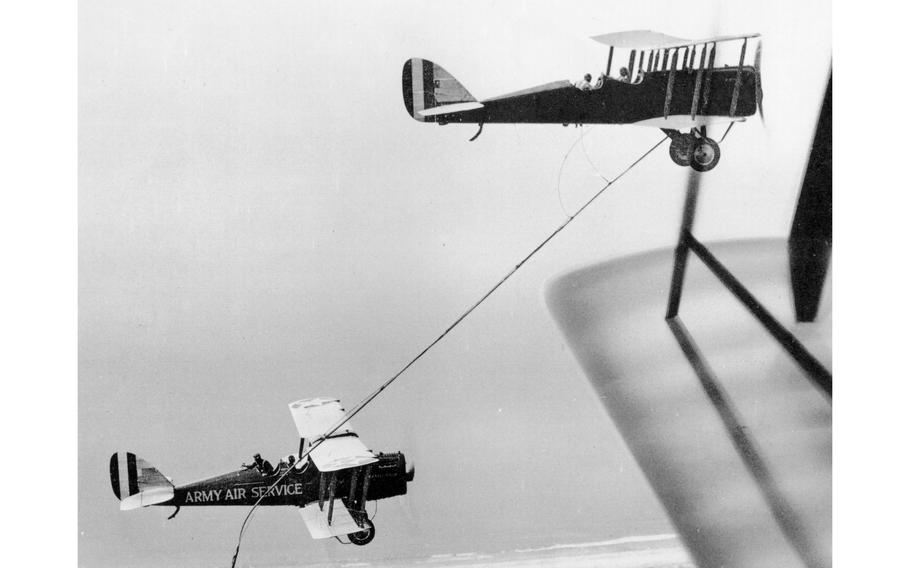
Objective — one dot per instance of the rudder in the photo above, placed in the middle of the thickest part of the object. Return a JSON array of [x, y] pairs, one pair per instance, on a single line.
[[426, 85], [137, 483]]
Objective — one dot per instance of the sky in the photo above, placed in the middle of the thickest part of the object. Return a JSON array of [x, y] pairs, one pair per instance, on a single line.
[[261, 221]]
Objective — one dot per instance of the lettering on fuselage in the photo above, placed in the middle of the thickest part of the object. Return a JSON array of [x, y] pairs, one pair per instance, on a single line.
[[289, 489], [239, 493]]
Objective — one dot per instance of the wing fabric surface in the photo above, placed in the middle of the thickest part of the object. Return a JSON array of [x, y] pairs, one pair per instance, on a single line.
[[343, 449], [647, 39], [317, 521]]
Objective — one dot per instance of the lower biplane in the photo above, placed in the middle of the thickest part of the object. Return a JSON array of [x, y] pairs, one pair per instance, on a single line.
[[681, 87], [329, 483]]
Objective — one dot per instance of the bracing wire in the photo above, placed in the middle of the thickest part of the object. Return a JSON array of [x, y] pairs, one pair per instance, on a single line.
[[360, 406], [563, 165], [584, 149]]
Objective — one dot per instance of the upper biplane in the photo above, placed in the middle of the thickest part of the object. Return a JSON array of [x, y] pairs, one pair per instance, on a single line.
[[330, 484], [677, 85]]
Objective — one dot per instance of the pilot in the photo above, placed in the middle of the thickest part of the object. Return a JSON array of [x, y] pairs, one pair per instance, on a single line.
[[623, 75], [285, 464], [264, 467], [584, 84]]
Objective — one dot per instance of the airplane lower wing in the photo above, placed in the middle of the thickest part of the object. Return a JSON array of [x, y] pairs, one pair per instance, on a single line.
[[321, 526], [684, 122]]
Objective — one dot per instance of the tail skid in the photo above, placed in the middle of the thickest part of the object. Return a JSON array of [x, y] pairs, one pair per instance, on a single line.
[[137, 483]]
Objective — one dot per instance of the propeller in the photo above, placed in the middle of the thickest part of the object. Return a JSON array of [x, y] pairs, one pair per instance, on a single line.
[[758, 90]]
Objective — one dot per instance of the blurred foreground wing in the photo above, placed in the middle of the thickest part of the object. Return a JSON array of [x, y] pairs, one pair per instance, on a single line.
[[726, 512]]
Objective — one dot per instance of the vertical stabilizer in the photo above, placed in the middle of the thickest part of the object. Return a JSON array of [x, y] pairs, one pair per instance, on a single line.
[[137, 483], [426, 85]]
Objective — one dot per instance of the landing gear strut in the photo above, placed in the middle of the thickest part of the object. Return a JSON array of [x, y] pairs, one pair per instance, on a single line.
[[365, 536]]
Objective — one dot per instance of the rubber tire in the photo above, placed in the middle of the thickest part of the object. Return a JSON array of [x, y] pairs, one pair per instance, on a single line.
[[705, 148], [681, 148], [364, 537]]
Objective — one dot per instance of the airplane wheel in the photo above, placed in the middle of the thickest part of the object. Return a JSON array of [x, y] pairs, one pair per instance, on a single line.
[[681, 148], [705, 155], [365, 536]]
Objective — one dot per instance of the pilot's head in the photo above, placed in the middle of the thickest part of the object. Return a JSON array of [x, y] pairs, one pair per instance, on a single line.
[[257, 457], [624, 72], [587, 76], [291, 459]]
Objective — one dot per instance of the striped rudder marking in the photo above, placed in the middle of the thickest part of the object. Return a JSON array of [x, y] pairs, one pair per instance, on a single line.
[[416, 75], [124, 474]]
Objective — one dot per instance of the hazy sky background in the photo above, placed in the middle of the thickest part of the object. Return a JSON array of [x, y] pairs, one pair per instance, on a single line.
[[260, 221]]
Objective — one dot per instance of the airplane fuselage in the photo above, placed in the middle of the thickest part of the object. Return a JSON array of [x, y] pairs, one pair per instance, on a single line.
[[387, 478], [622, 103]]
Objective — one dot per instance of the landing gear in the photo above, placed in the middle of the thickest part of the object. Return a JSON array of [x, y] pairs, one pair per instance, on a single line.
[[681, 148], [694, 149], [705, 155], [365, 536]]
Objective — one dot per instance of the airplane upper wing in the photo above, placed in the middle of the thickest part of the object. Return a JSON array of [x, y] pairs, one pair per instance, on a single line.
[[646, 39], [343, 449]]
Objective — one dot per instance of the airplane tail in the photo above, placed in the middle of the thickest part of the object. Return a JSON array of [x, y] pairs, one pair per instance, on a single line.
[[426, 85], [137, 483]]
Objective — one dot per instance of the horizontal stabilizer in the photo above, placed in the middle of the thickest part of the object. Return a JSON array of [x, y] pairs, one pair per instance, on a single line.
[[317, 520], [449, 109], [147, 497]]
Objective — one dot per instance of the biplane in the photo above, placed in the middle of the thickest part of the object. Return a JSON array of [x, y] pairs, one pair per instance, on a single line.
[[329, 483], [677, 85]]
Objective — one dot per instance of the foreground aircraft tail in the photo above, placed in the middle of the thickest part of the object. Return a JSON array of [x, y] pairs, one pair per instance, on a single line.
[[137, 483], [427, 86]]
